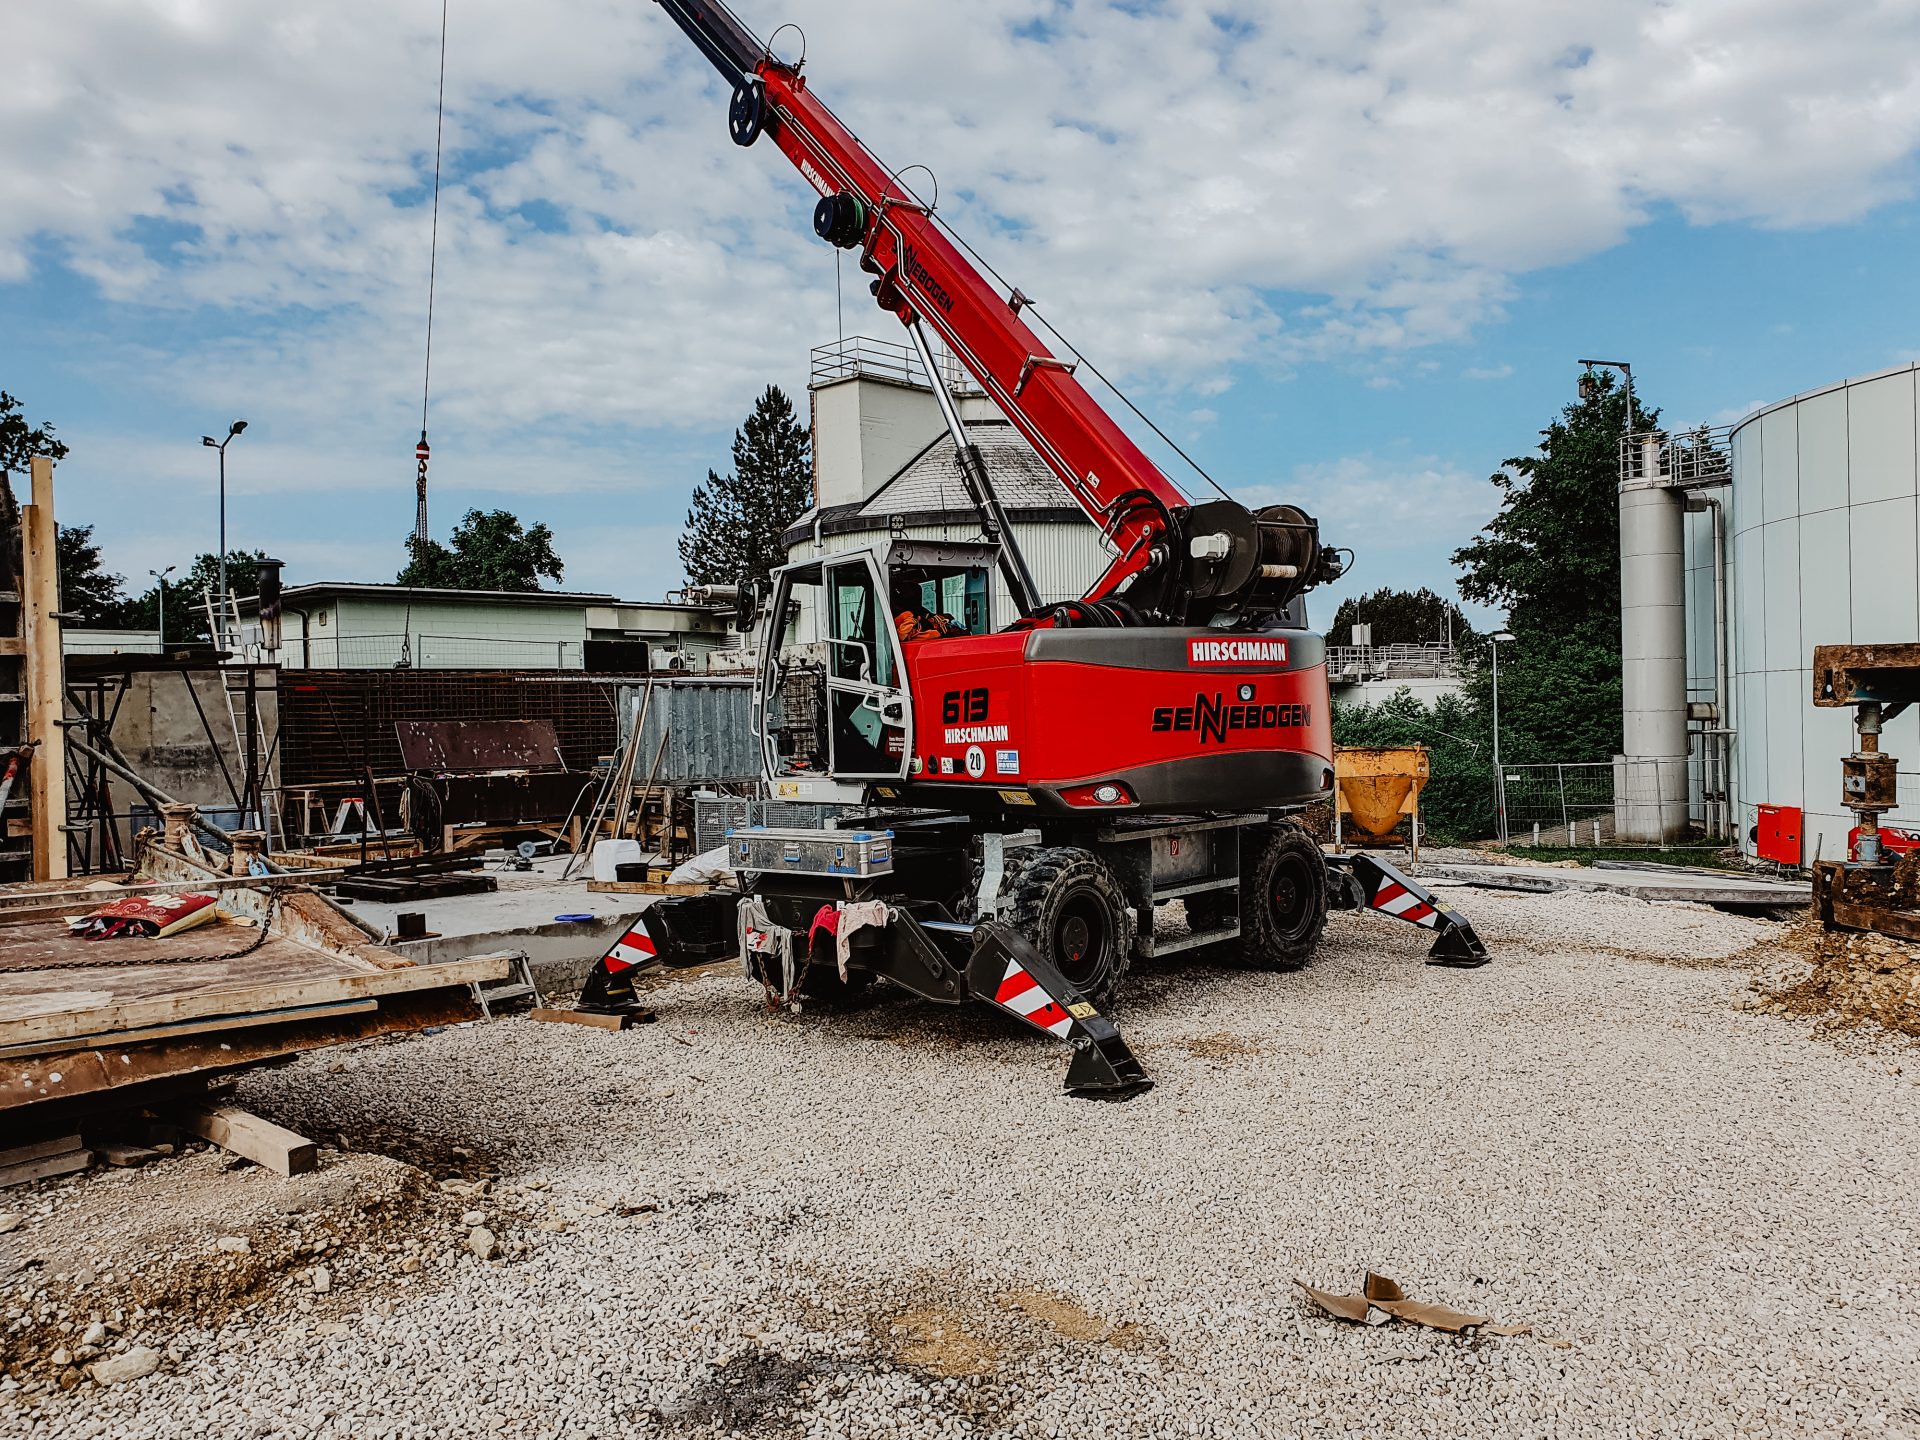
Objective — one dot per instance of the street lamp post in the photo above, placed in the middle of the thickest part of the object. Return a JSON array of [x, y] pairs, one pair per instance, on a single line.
[[1499, 638], [220, 626], [1625, 369], [161, 576]]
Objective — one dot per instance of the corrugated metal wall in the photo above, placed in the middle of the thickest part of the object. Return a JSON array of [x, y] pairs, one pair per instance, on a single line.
[[707, 726]]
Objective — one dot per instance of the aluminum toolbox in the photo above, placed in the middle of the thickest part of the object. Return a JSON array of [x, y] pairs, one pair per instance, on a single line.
[[811, 852]]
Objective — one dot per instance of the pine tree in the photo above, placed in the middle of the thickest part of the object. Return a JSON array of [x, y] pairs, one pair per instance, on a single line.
[[733, 529]]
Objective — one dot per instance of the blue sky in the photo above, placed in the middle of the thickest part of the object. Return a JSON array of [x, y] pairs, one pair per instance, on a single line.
[[1347, 262]]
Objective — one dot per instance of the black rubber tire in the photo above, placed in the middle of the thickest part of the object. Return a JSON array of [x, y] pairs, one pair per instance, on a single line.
[[1068, 903], [1283, 900], [1210, 909]]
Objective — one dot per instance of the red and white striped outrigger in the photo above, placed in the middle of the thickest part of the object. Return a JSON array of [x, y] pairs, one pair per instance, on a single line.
[[1365, 882]]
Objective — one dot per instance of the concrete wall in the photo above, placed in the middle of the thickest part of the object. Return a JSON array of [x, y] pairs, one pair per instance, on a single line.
[[1824, 538], [1372, 692], [161, 734], [864, 431]]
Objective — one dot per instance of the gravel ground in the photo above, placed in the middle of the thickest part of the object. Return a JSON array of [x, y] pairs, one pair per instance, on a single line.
[[891, 1221]]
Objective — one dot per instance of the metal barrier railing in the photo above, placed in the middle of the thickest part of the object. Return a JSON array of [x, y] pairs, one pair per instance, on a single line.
[[860, 356], [1386, 662]]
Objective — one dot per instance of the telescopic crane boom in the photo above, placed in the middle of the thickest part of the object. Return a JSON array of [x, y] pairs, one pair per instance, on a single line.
[[1215, 563]]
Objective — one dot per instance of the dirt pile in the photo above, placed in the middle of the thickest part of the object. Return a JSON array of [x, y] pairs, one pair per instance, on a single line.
[[1846, 978]]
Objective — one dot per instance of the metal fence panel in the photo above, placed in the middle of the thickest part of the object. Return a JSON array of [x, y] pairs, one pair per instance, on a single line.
[[1579, 803], [707, 723]]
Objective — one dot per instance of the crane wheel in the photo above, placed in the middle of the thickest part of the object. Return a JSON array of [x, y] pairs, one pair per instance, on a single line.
[[1283, 900], [1068, 903]]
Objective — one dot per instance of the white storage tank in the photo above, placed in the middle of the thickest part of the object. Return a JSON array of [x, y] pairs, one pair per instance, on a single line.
[[1823, 549]]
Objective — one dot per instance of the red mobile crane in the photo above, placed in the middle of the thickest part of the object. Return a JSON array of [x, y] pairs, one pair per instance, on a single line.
[[1040, 785]]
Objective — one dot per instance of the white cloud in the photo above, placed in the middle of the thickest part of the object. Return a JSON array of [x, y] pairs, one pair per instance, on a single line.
[[1189, 188], [1403, 517], [1487, 372]]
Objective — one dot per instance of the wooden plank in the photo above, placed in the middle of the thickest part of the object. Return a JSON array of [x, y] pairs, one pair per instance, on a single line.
[[45, 1169], [39, 1150], [45, 673], [645, 887], [598, 1022], [261, 1141], [102, 1020], [125, 1156], [12, 646], [192, 1027]]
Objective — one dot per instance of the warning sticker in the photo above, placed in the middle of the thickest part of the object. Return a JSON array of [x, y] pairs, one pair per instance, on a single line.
[[1006, 762]]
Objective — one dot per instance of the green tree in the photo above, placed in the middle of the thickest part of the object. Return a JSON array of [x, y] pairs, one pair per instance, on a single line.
[[733, 529], [187, 592], [490, 550], [88, 592], [1551, 560], [21, 441], [1400, 617]]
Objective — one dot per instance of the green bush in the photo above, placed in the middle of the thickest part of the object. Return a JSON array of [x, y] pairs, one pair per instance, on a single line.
[[1458, 801]]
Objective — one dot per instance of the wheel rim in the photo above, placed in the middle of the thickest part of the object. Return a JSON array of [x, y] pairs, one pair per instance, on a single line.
[[1082, 937], [1290, 898]]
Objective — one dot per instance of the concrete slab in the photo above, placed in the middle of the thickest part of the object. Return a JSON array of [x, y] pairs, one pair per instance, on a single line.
[[1702, 887], [520, 915]]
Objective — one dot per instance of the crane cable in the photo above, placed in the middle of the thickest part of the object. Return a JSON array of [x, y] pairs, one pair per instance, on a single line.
[[423, 451], [433, 263], [1080, 355]]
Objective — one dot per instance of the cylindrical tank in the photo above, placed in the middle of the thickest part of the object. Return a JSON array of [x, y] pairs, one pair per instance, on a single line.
[[1824, 544], [1650, 777]]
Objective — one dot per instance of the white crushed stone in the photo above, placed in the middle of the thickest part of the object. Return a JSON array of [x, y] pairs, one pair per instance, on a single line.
[[1708, 1212], [1602, 920]]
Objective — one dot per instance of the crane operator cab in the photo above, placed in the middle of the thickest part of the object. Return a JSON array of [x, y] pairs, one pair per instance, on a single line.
[[835, 702]]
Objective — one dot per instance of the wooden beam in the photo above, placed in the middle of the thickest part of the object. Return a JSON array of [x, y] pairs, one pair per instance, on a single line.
[[45, 1169], [191, 1027], [45, 674], [104, 1020], [39, 1150], [261, 1141], [599, 1022]]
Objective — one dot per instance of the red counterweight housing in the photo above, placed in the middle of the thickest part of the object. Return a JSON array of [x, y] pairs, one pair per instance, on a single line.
[[1139, 720]]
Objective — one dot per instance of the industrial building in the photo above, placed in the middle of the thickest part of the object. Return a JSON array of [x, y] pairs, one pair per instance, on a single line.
[[335, 626], [1743, 548], [884, 466]]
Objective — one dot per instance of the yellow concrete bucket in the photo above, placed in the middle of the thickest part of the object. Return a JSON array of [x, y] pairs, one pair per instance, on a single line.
[[1379, 786]]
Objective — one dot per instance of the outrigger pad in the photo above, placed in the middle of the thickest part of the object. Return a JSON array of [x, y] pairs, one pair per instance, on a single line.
[[1366, 882], [1105, 1070], [679, 933], [1008, 972]]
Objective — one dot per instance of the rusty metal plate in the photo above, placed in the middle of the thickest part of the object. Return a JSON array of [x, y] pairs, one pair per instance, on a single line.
[[469, 747], [1862, 674], [1869, 782]]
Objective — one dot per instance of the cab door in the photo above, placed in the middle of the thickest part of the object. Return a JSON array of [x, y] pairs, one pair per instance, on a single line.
[[870, 710]]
